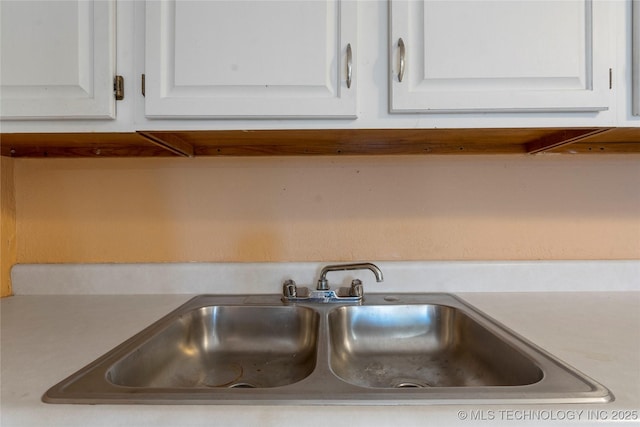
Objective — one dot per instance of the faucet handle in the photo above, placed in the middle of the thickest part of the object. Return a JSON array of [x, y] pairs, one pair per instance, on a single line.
[[356, 289], [289, 289]]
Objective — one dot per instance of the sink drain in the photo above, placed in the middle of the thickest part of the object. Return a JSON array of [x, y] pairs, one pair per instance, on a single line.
[[223, 375], [242, 385], [410, 384]]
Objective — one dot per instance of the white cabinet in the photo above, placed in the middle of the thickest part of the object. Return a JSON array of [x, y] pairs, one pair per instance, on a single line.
[[256, 64], [232, 59], [499, 56], [58, 59], [636, 57]]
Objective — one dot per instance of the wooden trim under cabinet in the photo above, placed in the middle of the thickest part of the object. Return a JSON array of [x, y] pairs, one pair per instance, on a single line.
[[322, 142], [616, 140], [128, 144]]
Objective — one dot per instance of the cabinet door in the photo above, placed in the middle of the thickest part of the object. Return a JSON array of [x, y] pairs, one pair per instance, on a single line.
[[504, 55], [636, 57], [250, 58], [58, 59]]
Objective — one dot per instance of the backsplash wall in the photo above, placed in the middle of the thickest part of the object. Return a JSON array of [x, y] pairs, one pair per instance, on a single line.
[[327, 208]]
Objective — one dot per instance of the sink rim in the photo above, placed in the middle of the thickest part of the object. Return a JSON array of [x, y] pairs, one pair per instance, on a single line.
[[560, 383]]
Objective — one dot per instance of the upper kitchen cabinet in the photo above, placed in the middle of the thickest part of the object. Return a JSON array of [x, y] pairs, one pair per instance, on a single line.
[[636, 57], [500, 56], [58, 59], [250, 59]]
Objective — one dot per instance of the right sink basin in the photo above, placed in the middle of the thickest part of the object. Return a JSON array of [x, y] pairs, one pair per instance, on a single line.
[[423, 345]]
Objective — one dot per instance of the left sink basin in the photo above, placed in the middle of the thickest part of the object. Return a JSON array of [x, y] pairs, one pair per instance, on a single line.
[[224, 346], [220, 348]]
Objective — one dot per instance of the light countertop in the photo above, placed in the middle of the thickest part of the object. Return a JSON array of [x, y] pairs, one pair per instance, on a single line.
[[45, 338]]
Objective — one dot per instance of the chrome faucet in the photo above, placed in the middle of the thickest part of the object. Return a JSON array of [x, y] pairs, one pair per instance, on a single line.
[[323, 294], [323, 284]]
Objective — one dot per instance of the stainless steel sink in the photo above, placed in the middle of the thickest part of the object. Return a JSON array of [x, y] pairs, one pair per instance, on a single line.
[[422, 346], [387, 349], [225, 346]]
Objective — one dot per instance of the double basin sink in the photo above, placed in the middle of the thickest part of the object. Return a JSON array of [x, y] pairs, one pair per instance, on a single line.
[[387, 349]]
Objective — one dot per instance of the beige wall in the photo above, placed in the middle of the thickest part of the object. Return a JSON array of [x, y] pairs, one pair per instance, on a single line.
[[7, 225], [328, 208]]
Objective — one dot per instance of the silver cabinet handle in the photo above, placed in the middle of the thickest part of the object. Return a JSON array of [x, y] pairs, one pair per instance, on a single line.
[[349, 65], [402, 53]]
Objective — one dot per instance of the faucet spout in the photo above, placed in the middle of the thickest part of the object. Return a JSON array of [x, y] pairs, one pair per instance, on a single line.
[[323, 283]]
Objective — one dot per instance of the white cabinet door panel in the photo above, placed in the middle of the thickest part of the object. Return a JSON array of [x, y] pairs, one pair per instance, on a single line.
[[500, 55], [636, 57], [249, 58], [58, 59]]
